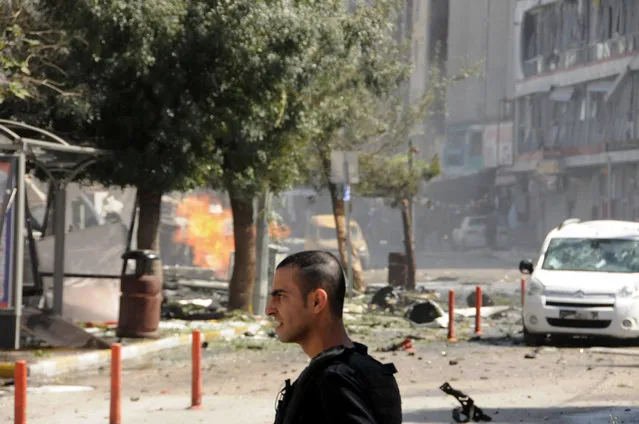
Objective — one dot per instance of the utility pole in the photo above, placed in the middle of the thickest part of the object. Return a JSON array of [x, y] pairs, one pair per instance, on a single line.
[[347, 215], [260, 290]]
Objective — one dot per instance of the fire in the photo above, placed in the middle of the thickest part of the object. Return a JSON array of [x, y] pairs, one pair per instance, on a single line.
[[208, 231]]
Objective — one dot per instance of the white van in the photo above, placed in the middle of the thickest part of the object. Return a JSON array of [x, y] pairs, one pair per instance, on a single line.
[[585, 282]]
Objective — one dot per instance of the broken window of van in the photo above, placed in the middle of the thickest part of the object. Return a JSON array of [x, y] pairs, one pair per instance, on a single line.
[[603, 255]]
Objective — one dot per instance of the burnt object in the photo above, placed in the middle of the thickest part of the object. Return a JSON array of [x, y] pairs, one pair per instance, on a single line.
[[423, 313], [386, 298], [468, 410], [485, 300]]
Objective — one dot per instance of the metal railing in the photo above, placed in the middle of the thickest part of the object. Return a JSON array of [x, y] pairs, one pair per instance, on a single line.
[[617, 46], [574, 133]]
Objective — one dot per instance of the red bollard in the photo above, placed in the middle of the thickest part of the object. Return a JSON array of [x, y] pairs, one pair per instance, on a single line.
[[478, 302], [115, 412], [196, 388], [20, 383], [523, 291], [451, 316]]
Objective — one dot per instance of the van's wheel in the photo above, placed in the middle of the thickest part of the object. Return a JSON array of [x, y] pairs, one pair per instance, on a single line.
[[533, 339]]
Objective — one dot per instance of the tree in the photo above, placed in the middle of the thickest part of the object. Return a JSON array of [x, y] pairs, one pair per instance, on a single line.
[[277, 53], [132, 97], [388, 169], [397, 178], [369, 66], [256, 60]]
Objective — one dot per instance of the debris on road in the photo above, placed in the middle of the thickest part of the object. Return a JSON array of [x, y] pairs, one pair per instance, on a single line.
[[428, 314], [486, 311], [468, 410], [406, 344], [486, 300], [385, 299]]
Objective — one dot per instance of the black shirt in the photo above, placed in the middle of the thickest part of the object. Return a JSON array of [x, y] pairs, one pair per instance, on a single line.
[[342, 386]]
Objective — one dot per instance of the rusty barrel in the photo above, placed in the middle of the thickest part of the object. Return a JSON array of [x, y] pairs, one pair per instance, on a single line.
[[140, 298], [397, 269]]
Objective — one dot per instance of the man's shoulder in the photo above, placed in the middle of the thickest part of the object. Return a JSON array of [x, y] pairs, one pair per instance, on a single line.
[[357, 365]]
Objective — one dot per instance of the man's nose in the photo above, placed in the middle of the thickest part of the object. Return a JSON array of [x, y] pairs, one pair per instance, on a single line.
[[270, 310]]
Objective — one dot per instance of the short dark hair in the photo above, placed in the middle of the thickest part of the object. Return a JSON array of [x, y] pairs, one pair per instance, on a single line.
[[318, 269]]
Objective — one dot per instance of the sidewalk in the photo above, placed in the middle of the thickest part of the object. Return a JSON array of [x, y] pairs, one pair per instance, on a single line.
[[67, 361]]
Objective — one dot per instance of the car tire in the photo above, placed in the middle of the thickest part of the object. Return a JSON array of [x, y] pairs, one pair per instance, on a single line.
[[533, 339]]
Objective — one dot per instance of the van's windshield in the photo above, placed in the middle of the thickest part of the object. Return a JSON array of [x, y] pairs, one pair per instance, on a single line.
[[328, 233], [605, 255]]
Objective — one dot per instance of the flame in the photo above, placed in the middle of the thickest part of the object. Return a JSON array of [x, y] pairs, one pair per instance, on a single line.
[[208, 231]]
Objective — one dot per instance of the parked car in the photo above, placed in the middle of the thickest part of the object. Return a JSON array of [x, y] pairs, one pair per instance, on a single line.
[[472, 233], [585, 282]]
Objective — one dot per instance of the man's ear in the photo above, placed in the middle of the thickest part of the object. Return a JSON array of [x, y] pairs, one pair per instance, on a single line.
[[318, 300]]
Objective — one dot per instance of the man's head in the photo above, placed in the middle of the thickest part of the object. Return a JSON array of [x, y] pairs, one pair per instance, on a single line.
[[308, 289]]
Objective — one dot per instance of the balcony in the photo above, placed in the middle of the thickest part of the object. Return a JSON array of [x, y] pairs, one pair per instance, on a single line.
[[616, 47], [577, 134]]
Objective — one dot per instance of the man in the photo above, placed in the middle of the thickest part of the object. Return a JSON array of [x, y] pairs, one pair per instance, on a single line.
[[342, 383]]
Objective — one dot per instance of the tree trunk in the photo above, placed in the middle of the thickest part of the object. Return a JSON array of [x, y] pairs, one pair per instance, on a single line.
[[150, 203], [243, 278], [340, 224], [409, 246]]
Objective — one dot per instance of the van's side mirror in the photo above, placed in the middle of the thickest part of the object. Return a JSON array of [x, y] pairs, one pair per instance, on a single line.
[[526, 266]]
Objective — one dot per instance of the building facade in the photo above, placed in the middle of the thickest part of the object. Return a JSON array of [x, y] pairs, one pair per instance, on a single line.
[[425, 27], [479, 122], [576, 110]]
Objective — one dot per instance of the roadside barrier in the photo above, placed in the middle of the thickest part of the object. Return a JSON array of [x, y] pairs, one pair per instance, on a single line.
[[451, 316], [478, 304]]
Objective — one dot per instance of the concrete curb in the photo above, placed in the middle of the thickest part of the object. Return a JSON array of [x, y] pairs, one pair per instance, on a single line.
[[92, 360], [614, 351]]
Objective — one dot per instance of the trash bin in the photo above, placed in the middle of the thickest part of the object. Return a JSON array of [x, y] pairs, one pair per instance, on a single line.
[[140, 298], [397, 269]]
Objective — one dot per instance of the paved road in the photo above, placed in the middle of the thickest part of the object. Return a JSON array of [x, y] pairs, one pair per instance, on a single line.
[[559, 385]]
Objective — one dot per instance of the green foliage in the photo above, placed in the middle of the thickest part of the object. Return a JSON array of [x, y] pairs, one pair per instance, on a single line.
[[369, 65], [27, 46], [295, 67], [394, 177], [133, 95]]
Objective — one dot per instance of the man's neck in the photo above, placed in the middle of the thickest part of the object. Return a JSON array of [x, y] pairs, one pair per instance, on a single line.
[[326, 338]]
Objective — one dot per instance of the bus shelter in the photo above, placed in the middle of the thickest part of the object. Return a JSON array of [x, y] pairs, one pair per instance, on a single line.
[[24, 146]]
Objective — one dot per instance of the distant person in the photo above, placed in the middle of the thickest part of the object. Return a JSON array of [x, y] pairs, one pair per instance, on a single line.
[[342, 383]]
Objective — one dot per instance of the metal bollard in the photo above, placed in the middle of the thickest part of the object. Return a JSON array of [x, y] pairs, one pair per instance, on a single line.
[[478, 304], [451, 316], [523, 291], [115, 412], [20, 382], [196, 383]]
